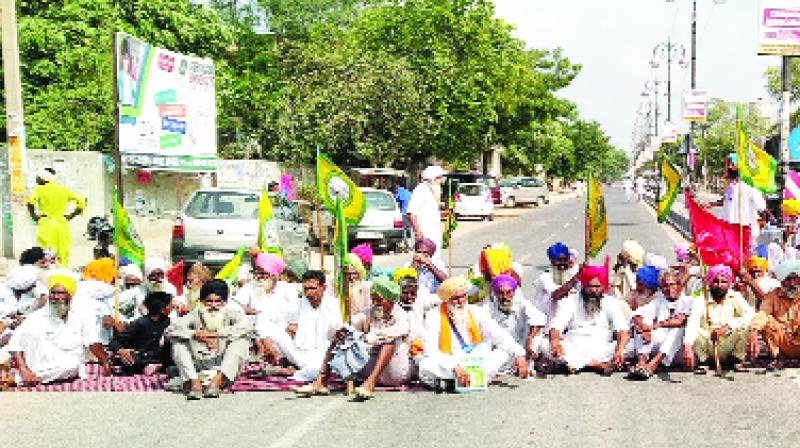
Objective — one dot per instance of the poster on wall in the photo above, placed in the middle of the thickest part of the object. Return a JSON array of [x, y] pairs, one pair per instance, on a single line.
[[779, 27], [167, 108]]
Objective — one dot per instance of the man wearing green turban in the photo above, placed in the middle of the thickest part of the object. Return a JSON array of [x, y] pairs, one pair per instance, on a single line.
[[385, 328]]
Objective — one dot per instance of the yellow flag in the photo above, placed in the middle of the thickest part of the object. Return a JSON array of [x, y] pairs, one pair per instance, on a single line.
[[230, 271], [332, 182], [596, 214], [756, 167], [673, 182], [268, 240]]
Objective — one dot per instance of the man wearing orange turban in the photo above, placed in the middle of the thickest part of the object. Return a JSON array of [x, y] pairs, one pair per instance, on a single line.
[[588, 319]]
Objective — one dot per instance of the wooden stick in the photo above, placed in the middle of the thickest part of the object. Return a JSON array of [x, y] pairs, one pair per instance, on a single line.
[[717, 367]]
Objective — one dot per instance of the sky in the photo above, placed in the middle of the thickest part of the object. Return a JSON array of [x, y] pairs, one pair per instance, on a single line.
[[614, 41]]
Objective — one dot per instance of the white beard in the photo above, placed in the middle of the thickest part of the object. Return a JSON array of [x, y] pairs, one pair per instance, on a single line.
[[436, 189], [458, 314], [558, 276], [213, 320], [192, 296]]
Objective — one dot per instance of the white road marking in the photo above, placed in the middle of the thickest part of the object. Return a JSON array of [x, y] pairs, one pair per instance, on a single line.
[[548, 238], [310, 423], [566, 225]]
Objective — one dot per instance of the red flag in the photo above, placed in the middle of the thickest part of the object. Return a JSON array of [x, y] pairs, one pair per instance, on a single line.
[[175, 276], [717, 241]]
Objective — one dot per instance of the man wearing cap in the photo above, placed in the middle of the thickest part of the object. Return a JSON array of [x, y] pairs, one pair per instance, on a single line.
[[722, 319], [385, 329], [628, 261], [431, 271], [53, 341], [752, 201], [778, 318], [132, 300], [423, 207], [589, 329], [556, 282], [514, 314], [455, 329], [48, 206], [660, 326]]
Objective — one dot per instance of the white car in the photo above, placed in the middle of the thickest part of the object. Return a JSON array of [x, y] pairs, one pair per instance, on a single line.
[[474, 200], [382, 224]]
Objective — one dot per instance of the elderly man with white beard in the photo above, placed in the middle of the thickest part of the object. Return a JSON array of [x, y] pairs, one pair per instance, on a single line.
[[455, 330], [778, 318], [660, 326], [515, 314], [131, 302], [590, 321], [555, 283], [423, 207], [210, 343], [19, 297]]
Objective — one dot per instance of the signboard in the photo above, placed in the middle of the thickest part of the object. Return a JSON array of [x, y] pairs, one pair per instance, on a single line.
[[779, 27], [670, 133], [695, 105], [167, 108]]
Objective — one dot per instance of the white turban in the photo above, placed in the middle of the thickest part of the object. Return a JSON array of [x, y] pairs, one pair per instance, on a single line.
[[634, 250], [131, 270], [656, 261], [45, 175], [154, 264], [787, 268], [244, 273], [21, 278], [432, 172]]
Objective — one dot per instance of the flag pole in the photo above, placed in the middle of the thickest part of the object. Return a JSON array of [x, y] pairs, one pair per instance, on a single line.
[[450, 216], [587, 228], [319, 236]]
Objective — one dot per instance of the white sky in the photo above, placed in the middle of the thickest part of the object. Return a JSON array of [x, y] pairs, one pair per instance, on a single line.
[[614, 40]]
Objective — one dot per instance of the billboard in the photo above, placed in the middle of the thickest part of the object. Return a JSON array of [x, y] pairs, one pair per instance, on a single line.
[[695, 105], [167, 108], [779, 27]]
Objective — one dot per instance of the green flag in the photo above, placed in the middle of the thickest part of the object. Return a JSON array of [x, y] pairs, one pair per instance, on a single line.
[[230, 271], [672, 180], [756, 167], [268, 240], [126, 240]]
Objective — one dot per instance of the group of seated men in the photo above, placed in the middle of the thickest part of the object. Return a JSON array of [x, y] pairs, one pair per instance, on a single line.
[[409, 324]]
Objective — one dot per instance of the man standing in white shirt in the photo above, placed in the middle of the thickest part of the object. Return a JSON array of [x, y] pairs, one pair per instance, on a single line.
[[640, 188], [423, 207]]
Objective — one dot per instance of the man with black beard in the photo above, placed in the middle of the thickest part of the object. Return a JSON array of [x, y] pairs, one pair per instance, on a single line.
[[778, 319], [721, 319], [586, 324], [556, 282], [51, 344], [210, 344]]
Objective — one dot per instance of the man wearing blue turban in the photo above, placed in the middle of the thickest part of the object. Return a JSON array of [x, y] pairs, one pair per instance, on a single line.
[[643, 293], [556, 282]]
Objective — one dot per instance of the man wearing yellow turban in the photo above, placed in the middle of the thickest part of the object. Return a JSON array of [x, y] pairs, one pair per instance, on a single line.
[[758, 268], [457, 334], [51, 344]]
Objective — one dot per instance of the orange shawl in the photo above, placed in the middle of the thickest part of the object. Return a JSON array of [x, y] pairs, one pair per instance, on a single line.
[[444, 330]]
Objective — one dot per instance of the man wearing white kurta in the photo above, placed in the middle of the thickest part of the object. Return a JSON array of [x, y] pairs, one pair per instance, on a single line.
[[590, 319], [131, 302], [515, 314], [454, 328], [423, 207], [310, 327], [660, 326], [51, 344], [549, 288]]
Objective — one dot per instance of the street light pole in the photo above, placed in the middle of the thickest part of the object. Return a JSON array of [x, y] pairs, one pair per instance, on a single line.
[[690, 143]]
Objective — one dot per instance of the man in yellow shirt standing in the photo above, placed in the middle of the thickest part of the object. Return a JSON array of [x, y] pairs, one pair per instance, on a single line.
[[48, 207]]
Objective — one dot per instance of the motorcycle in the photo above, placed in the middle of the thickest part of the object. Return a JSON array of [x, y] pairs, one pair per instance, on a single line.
[[100, 229]]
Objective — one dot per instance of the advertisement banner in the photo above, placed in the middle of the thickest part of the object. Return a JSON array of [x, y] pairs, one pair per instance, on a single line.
[[779, 27], [670, 133], [695, 105], [167, 108]]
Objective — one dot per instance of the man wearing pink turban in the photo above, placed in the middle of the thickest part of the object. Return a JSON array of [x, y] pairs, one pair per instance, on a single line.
[[582, 332], [722, 318], [265, 301]]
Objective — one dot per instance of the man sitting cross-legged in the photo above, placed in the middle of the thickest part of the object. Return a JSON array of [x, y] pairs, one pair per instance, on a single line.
[[51, 344], [660, 326], [385, 326], [141, 347], [588, 320], [778, 319], [211, 339], [455, 329]]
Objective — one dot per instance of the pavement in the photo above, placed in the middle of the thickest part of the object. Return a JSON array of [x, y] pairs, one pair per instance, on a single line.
[[738, 410]]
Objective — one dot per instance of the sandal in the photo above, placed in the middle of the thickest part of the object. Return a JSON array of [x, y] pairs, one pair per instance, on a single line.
[[363, 394], [740, 367], [310, 390], [700, 370]]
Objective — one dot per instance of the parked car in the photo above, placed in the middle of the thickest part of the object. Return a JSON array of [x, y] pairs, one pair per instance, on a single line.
[[453, 180], [318, 226], [382, 224], [524, 190], [215, 223], [474, 199]]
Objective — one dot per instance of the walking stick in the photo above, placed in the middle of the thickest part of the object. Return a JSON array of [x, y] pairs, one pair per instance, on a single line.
[[319, 237], [714, 342]]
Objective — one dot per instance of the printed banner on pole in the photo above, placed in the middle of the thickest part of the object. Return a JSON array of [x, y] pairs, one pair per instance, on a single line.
[[756, 167], [596, 213], [778, 27], [167, 107], [126, 240], [332, 184], [268, 240], [671, 184]]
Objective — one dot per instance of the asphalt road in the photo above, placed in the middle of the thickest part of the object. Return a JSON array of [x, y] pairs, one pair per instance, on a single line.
[[739, 410]]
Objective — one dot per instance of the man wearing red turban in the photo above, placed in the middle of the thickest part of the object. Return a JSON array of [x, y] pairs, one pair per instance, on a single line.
[[589, 328]]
